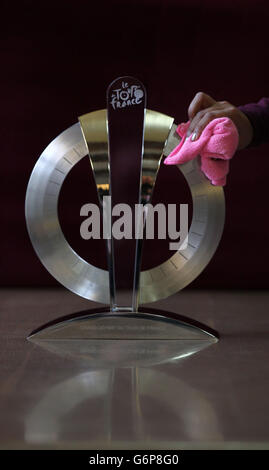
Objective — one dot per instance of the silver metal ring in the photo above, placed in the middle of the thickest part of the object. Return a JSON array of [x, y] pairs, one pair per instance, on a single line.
[[91, 282]]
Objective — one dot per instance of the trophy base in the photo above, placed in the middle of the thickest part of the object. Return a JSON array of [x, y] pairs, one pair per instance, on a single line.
[[123, 325]]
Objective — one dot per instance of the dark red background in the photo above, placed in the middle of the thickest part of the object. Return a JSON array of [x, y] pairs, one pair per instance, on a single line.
[[57, 58]]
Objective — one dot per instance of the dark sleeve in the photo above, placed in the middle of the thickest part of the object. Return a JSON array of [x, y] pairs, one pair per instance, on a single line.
[[258, 115]]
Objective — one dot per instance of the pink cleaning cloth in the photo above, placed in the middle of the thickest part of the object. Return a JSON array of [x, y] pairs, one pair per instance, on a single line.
[[216, 145]]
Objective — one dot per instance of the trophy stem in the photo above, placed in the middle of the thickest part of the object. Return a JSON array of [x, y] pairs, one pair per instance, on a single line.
[[126, 101], [138, 259], [110, 264]]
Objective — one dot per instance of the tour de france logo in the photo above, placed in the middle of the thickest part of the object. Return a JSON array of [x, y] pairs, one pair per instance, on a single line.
[[126, 96]]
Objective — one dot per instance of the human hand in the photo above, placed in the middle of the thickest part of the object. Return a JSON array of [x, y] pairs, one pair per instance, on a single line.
[[204, 109]]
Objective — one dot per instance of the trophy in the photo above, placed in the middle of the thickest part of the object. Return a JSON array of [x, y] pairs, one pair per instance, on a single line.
[[125, 143]]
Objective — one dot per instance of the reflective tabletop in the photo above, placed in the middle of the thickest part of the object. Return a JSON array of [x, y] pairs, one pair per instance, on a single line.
[[135, 394]]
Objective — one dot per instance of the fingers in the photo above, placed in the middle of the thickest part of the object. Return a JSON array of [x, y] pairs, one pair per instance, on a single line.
[[197, 109], [199, 102], [199, 122]]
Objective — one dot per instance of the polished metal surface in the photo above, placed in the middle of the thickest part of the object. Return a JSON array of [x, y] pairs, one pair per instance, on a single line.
[[43, 224], [123, 325], [95, 129], [135, 394], [123, 353], [87, 280], [203, 238], [156, 132]]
